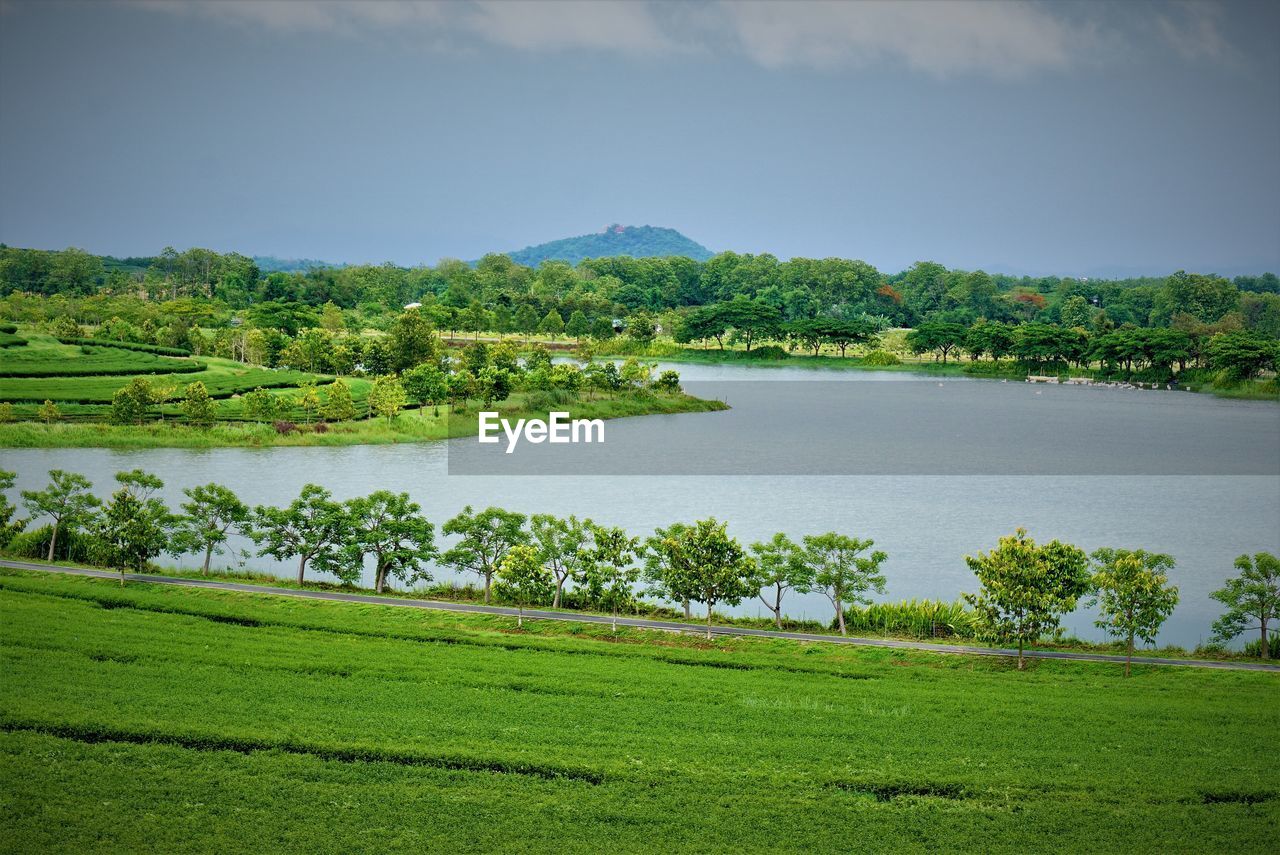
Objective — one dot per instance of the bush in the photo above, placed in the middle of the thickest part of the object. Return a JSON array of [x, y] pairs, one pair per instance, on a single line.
[[918, 618], [321, 427], [768, 351], [126, 345], [72, 545], [881, 357], [285, 427], [8, 328], [1254, 648]]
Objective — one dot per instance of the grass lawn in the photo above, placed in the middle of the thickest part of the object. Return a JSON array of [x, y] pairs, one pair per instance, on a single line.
[[160, 719]]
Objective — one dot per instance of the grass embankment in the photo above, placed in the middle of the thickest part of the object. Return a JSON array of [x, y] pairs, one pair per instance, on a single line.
[[152, 719], [410, 426]]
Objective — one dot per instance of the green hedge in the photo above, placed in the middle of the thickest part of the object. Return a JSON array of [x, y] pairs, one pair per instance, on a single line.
[[127, 345], [11, 340]]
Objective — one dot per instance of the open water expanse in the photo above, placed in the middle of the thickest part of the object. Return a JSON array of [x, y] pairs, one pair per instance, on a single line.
[[930, 468]]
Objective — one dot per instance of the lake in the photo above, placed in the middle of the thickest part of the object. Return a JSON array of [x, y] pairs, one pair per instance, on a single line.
[[930, 468]]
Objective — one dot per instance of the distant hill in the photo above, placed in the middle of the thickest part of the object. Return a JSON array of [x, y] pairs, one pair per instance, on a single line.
[[271, 264], [636, 241]]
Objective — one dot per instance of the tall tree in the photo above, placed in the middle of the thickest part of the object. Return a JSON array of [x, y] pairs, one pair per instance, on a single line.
[[1252, 596], [66, 501], [782, 568], [841, 571], [609, 567], [390, 528], [485, 539], [562, 545], [1026, 588], [135, 525], [211, 513], [1133, 595], [310, 528]]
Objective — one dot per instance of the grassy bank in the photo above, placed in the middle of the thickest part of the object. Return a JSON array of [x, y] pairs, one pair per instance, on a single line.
[[149, 719], [410, 426]]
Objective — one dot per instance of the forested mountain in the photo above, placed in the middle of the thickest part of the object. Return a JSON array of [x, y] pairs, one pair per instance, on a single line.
[[635, 241], [271, 264]]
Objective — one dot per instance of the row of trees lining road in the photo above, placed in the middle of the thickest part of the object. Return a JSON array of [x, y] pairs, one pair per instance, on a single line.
[[1025, 588]]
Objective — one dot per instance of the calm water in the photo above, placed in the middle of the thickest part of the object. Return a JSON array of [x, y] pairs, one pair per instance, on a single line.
[[930, 472]]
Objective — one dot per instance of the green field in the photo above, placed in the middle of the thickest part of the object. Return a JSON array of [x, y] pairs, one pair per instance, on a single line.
[[157, 719]]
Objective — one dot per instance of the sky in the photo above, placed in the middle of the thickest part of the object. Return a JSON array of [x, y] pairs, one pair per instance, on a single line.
[[1081, 138]]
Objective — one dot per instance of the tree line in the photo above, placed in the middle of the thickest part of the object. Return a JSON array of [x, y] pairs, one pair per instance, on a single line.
[[1024, 588], [601, 289]]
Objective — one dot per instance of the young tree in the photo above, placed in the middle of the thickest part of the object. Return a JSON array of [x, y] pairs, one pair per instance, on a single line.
[[562, 545], [1026, 588], [211, 514], [486, 537], [66, 501], [1133, 595], [412, 341], [552, 324], [311, 527], [841, 571], [426, 384], [609, 568], [524, 578], [662, 565], [387, 396], [134, 525], [782, 567], [707, 565], [197, 406], [1254, 595], [48, 412], [309, 402], [132, 404], [260, 405], [391, 528], [338, 406], [577, 326], [8, 525]]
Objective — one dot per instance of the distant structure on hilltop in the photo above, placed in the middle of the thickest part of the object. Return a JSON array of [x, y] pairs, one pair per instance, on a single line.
[[616, 239]]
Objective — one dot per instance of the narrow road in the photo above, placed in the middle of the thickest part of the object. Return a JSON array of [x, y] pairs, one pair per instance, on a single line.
[[641, 623]]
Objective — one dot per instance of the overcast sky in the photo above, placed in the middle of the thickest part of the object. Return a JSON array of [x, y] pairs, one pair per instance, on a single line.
[[1080, 138]]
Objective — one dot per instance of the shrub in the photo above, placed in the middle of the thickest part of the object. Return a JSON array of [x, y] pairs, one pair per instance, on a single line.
[[1254, 648], [285, 427], [8, 328], [73, 545], [321, 427], [919, 618], [768, 351], [881, 357], [125, 345]]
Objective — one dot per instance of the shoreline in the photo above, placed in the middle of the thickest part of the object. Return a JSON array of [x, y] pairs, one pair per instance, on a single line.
[[412, 425]]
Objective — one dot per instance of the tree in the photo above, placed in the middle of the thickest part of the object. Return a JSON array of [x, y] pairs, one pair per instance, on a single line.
[[524, 578], [662, 565], [66, 501], [260, 405], [48, 412], [493, 384], [134, 525], [338, 406], [311, 528], [936, 336], [1133, 595], [641, 328], [562, 544], [390, 528], [609, 567], [412, 341], [526, 320], [8, 525], [751, 320], [308, 401], [1242, 355], [706, 564], [841, 571], [1254, 595], [426, 384], [552, 324], [197, 406], [211, 513], [131, 404], [486, 537], [782, 567], [1026, 588], [387, 396], [578, 326]]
